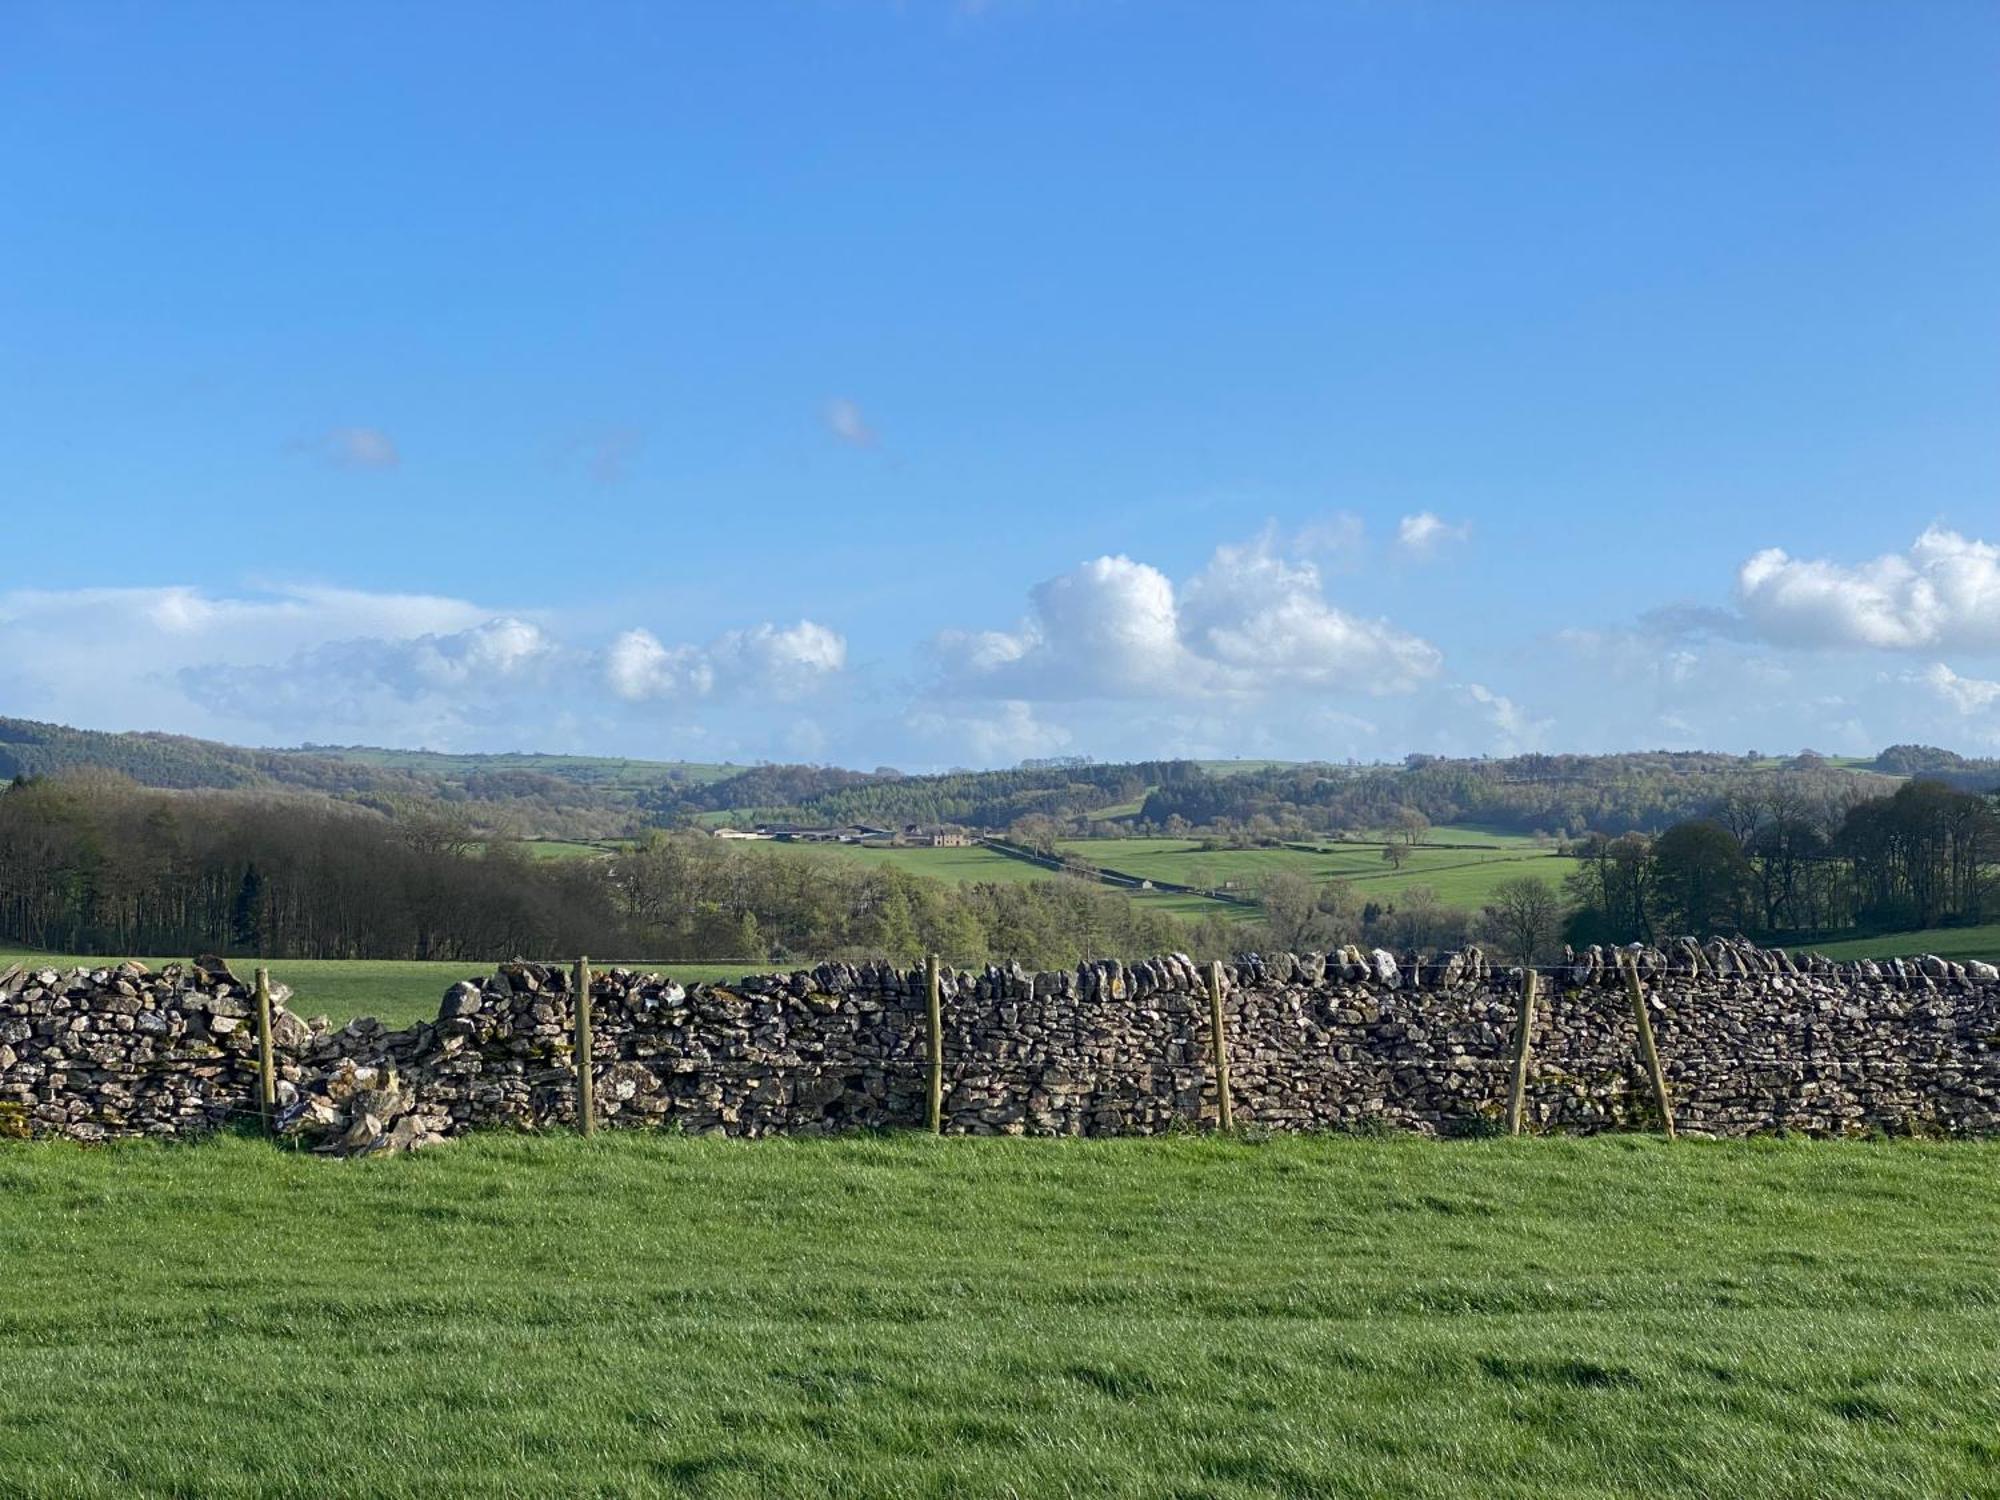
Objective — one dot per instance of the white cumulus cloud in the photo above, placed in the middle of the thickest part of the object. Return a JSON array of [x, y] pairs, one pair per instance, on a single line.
[[1943, 594], [769, 660], [328, 664], [1250, 622]]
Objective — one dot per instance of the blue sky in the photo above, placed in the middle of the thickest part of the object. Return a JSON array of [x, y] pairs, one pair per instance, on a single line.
[[947, 383]]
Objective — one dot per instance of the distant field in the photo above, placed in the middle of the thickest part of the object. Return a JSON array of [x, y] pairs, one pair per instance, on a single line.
[[1958, 943], [569, 849], [959, 865], [982, 864], [394, 991], [1471, 833], [1461, 877], [1243, 767], [872, 1317], [1117, 812]]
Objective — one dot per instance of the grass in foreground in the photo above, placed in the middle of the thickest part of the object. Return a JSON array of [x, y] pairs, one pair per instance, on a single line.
[[899, 1316]]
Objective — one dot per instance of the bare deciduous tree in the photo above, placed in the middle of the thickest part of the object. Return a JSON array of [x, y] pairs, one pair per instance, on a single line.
[[1523, 920]]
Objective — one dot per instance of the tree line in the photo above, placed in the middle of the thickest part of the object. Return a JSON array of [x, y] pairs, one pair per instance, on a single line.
[[1563, 796], [1781, 861], [976, 799], [1773, 863], [90, 863]]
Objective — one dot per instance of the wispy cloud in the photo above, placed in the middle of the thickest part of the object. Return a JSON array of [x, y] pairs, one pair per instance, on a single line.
[[1971, 696], [781, 662], [606, 456], [1421, 535], [844, 420], [360, 448], [1337, 535]]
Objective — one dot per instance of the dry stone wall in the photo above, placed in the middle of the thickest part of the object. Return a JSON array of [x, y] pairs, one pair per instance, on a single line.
[[1752, 1041]]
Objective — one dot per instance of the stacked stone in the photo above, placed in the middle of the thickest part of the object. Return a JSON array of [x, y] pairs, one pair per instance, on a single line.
[[1751, 1040], [1829, 1053], [836, 1047], [1104, 1049], [1353, 1052], [117, 1051]]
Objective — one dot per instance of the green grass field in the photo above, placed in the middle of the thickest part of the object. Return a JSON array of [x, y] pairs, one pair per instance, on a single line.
[[1243, 767], [961, 866], [1476, 833], [981, 864], [1461, 877], [894, 1316], [394, 991], [1958, 943], [570, 848]]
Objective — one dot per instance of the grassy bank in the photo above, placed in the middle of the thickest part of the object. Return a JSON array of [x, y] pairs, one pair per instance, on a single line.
[[897, 1316]]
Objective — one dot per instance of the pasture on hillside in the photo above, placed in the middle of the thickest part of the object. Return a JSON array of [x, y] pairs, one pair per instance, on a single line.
[[569, 848], [1461, 876], [1960, 943], [978, 863], [897, 1315]]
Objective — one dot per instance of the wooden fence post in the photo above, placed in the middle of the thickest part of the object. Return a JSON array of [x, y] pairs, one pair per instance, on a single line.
[[1524, 1041], [267, 1065], [934, 1047], [1649, 1052], [586, 1081], [1219, 1045]]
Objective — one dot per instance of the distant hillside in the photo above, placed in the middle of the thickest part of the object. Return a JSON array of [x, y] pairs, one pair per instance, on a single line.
[[592, 797], [1555, 794], [545, 795], [179, 762], [585, 770], [978, 799]]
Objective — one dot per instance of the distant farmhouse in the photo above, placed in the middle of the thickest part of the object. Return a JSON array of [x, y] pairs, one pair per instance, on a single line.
[[913, 835]]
